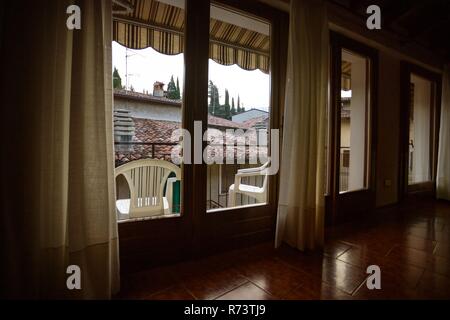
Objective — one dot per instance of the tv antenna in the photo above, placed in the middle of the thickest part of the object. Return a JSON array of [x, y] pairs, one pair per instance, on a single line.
[[129, 53]]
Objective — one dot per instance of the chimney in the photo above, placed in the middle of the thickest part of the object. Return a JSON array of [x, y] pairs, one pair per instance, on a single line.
[[262, 132], [158, 89], [123, 129]]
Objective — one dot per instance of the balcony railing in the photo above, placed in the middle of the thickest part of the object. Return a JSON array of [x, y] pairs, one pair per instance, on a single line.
[[129, 151], [219, 179], [219, 176], [344, 168]]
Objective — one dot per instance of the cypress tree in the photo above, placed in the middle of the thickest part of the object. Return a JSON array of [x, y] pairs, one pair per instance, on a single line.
[[117, 80], [233, 108], [227, 108], [172, 89], [178, 90], [213, 94], [239, 105]]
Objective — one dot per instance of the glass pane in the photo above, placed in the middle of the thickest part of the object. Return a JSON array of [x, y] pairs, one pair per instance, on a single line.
[[419, 130], [238, 109], [148, 81], [354, 120]]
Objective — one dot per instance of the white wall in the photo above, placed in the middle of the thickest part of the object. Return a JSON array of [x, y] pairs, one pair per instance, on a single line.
[[149, 110]]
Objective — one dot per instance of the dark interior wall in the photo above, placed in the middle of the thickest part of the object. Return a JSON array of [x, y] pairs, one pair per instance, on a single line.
[[388, 129]]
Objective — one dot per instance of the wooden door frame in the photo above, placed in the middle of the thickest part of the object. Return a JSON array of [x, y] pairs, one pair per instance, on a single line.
[[429, 187], [338, 204], [152, 242], [195, 233], [239, 227]]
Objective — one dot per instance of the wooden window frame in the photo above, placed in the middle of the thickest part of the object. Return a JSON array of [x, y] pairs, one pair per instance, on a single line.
[[345, 206], [196, 232], [428, 187]]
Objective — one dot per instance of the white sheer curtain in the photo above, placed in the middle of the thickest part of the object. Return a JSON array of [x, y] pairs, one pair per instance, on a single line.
[[300, 220], [64, 211], [443, 170]]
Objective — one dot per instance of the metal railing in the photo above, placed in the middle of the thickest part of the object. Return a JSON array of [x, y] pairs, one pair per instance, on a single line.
[[219, 176], [133, 150], [219, 179], [344, 168]]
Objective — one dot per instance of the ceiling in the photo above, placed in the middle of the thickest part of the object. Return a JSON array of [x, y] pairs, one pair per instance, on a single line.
[[425, 23]]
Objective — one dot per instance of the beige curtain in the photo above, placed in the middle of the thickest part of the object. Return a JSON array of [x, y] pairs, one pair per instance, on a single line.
[[300, 220], [443, 171], [60, 210]]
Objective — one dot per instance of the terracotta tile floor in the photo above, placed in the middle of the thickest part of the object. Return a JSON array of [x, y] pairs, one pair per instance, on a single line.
[[411, 244]]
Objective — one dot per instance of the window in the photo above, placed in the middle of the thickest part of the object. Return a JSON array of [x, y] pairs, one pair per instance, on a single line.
[[148, 66], [354, 122], [238, 109], [420, 126]]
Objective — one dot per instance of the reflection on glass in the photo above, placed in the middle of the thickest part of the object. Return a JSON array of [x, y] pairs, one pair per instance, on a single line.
[[419, 130], [238, 109], [354, 119]]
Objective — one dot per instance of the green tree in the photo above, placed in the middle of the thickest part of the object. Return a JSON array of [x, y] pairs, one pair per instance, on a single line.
[[227, 97], [233, 108], [226, 106], [172, 90], [117, 80], [213, 95], [239, 110], [178, 89]]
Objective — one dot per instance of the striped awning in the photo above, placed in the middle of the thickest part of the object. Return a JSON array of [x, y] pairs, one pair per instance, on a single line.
[[156, 24]]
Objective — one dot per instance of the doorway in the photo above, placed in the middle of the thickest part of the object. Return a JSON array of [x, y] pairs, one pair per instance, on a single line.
[[420, 130], [351, 167], [226, 68]]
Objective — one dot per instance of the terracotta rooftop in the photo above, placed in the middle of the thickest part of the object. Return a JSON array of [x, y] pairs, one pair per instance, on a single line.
[[158, 135], [220, 122], [252, 122], [132, 95]]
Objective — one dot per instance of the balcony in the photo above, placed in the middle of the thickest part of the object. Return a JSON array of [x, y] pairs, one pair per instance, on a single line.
[[219, 176]]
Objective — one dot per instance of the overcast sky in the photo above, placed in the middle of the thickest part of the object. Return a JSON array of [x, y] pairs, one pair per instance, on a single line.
[[147, 66]]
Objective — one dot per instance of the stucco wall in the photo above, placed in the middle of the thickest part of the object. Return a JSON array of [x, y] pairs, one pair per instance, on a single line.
[[149, 110]]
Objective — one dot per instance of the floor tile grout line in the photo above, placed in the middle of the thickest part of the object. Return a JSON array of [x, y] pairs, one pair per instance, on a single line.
[[359, 286], [266, 291], [416, 287], [188, 291], [321, 280], [221, 295]]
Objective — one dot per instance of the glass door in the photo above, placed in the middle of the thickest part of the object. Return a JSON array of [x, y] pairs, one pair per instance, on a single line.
[[245, 81], [420, 103], [239, 109], [354, 122], [351, 130], [197, 85]]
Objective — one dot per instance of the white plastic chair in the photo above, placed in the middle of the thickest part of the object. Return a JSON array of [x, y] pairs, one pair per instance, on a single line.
[[258, 193], [146, 179]]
